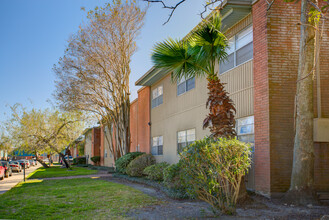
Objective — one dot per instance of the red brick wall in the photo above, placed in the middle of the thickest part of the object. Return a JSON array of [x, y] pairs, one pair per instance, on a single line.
[[321, 166], [283, 54], [283, 49], [102, 146], [133, 125], [261, 99], [96, 141], [143, 118], [321, 150]]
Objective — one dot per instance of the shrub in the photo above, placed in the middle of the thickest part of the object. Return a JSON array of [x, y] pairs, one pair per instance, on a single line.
[[122, 163], [79, 160], [155, 172], [172, 176], [136, 166], [96, 159], [214, 169]]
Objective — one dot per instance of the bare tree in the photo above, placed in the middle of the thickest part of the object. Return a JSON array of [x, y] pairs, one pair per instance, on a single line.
[[93, 75]]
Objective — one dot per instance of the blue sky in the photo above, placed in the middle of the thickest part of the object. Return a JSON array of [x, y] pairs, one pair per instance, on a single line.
[[34, 35]]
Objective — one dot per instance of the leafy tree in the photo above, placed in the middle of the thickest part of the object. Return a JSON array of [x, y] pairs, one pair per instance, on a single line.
[[44, 131], [197, 55], [93, 75]]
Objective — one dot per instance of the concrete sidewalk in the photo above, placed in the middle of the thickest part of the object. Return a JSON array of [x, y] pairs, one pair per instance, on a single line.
[[8, 183]]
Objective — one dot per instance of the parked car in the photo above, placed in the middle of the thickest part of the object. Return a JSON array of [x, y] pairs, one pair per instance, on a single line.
[[27, 163], [7, 167], [2, 172], [24, 163], [32, 162], [70, 158], [15, 166]]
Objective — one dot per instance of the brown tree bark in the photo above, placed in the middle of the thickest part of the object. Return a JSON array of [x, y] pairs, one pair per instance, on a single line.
[[67, 164], [302, 178], [40, 161]]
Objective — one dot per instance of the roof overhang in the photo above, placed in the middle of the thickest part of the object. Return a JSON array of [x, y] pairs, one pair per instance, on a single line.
[[151, 77], [232, 11]]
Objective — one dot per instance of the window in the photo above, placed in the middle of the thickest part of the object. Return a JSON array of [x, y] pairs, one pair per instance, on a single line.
[[157, 145], [185, 138], [245, 129], [105, 153], [239, 50], [184, 85], [157, 96]]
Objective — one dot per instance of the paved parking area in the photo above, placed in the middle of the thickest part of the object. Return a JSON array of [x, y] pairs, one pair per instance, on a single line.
[[7, 183]]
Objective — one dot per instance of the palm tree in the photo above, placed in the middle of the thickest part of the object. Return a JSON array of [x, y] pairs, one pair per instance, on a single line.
[[196, 56]]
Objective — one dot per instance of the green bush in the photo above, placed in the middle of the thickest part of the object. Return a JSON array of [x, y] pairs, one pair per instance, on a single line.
[[136, 166], [155, 172], [172, 193], [172, 176], [122, 163], [79, 160], [96, 159], [214, 168]]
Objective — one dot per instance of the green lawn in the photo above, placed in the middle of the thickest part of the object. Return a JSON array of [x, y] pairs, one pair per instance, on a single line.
[[56, 171], [83, 198]]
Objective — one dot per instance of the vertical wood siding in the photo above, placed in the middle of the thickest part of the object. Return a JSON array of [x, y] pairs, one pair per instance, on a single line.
[[239, 84]]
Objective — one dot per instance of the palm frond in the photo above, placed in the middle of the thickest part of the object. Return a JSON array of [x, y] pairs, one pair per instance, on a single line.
[[176, 57]]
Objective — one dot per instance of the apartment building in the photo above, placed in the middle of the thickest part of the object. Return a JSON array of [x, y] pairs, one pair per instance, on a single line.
[[260, 74]]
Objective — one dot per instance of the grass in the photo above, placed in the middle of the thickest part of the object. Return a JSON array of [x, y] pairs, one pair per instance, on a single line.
[[83, 198], [56, 171]]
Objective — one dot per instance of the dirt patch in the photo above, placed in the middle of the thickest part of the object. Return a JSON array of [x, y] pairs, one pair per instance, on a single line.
[[257, 207]]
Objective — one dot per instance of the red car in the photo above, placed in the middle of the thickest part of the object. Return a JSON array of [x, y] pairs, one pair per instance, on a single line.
[[2, 172]]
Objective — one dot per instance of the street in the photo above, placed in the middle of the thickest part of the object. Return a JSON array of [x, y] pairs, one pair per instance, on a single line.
[[7, 183]]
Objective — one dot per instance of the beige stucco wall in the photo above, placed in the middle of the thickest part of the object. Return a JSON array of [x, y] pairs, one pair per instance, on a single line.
[[188, 110], [88, 146], [109, 160]]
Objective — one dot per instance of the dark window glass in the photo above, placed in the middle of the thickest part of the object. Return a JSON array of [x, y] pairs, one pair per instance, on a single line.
[[227, 63], [160, 150], [180, 147], [181, 88], [190, 84], [154, 150], [160, 99], [154, 102], [244, 54]]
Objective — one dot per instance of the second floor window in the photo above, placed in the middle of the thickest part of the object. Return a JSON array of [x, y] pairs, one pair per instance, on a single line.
[[184, 85], [185, 138], [239, 50], [157, 96], [157, 145]]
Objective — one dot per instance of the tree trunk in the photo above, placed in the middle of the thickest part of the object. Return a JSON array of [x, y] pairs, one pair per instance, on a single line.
[[41, 161], [67, 164], [302, 178]]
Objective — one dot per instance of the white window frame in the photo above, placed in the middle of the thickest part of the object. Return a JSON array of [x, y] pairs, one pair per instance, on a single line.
[[234, 48], [157, 97], [159, 144], [184, 81], [186, 141]]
